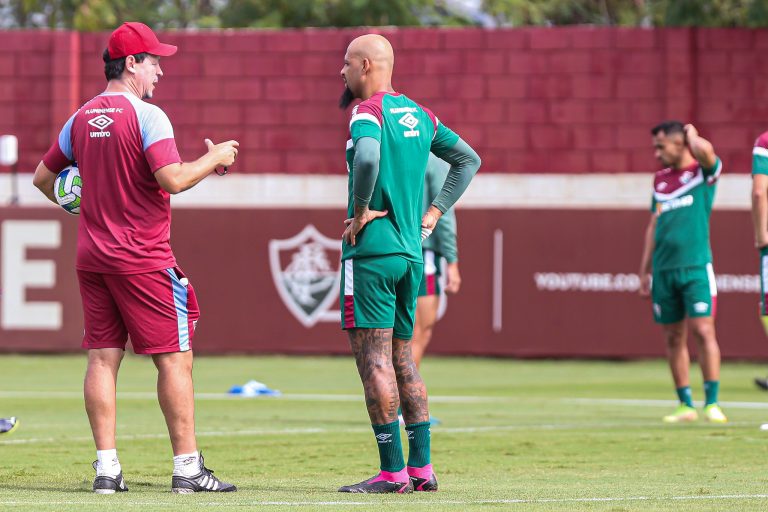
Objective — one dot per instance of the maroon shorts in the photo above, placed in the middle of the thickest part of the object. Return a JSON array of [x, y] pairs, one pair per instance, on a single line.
[[158, 310]]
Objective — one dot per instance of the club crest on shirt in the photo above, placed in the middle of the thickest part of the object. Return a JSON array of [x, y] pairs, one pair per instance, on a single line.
[[306, 270], [686, 177]]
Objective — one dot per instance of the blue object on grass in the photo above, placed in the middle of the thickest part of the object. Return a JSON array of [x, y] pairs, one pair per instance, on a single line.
[[253, 388]]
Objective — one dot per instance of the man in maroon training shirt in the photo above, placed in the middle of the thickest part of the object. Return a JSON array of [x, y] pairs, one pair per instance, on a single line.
[[130, 283]]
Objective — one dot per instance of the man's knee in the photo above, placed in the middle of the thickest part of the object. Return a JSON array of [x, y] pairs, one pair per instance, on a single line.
[[674, 335], [380, 365], [423, 331], [403, 367], [426, 314], [173, 361], [105, 357], [403, 359], [375, 365], [704, 331]]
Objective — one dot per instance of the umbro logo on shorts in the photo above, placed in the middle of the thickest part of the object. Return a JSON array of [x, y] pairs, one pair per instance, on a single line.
[[701, 307]]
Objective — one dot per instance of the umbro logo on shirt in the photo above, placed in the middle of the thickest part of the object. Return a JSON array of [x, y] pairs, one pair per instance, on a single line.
[[410, 122], [100, 122]]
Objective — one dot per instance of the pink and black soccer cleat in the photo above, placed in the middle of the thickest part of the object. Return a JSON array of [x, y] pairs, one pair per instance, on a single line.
[[423, 479], [383, 483]]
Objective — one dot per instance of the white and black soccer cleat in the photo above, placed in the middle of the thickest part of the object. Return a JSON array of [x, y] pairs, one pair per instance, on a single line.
[[108, 484], [201, 482]]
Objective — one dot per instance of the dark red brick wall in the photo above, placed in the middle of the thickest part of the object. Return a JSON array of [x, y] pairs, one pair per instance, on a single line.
[[529, 100]]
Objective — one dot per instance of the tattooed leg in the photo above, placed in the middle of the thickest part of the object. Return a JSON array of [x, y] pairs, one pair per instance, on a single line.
[[413, 392], [373, 354]]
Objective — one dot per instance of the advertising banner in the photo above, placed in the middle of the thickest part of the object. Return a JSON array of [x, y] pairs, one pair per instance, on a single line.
[[536, 282]]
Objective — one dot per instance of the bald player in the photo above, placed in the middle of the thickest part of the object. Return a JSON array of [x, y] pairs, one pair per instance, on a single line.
[[390, 138]]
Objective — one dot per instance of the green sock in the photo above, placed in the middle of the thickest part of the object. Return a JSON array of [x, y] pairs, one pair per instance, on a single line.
[[390, 447], [418, 444], [711, 388], [684, 394]]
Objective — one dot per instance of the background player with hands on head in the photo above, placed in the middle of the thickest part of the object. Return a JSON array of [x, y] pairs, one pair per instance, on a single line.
[[676, 266]]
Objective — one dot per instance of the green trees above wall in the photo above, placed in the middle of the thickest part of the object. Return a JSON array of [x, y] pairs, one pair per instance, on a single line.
[[91, 15]]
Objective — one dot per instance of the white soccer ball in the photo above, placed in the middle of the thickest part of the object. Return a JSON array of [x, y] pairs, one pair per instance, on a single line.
[[68, 188]]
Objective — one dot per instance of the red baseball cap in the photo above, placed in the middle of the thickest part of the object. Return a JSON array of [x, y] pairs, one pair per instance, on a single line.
[[132, 37]]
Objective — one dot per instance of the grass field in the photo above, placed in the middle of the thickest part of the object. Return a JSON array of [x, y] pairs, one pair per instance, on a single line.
[[516, 435]]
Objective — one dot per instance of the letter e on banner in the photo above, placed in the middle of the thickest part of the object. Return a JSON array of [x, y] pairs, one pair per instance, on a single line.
[[18, 274]]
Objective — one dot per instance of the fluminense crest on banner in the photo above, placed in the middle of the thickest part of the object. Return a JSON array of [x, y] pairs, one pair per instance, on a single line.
[[306, 270]]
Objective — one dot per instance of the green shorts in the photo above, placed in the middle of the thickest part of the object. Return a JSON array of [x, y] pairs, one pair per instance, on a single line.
[[685, 291], [430, 278], [380, 293]]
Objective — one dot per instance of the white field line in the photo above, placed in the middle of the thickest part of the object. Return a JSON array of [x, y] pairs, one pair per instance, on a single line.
[[345, 398], [310, 397], [365, 430], [631, 402], [400, 503], [291, 431]]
